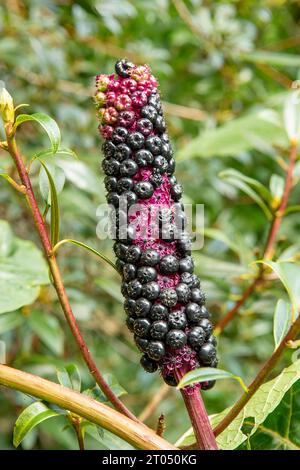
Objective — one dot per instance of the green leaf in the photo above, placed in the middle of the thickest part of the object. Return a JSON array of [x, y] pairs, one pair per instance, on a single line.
[[114, 385], [49, 152], [265, 400], [48, 329], [236, 136], [79, 174], [33, 415], [276, 188], [204, 374], [217, 234], [69, 377], [10, 321], [22, 271], [280, 430], [236, 181], [48, 124], [54, 221], [58, 177], [282, 321], [87, 247], [280, 59], [289, 274], [259, 187]]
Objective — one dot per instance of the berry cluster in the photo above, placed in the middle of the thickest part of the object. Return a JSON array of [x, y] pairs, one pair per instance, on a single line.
[[164, 303]]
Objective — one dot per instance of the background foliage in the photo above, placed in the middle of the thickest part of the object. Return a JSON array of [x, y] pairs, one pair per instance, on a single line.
[[223, 79]]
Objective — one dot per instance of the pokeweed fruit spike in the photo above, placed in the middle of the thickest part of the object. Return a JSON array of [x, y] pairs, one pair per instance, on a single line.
[[164, 302]]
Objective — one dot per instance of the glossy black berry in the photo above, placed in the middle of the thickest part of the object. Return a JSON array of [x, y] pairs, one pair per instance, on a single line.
[[160, 163], [176, 192], [143, 158], [177, 319], [193, 312], [124, 184], [198, 296], [135, 140], [130, 197], [153, 144], [168, 264], [143, 189], [168, 233], [148, 364], [146, 274], [108, 149], [142, 343], [170, 380], [154, 100], [129, 306], [176, 339], [156, 350], [119, 135], [111, 183], [159, 329], [134, 289], [122, 67], [151, 290], [149, 257], [144, 126], [141, 327], [133, 254], [196, 337], [208, 385], [204, 312], [149, 112], [120, 251], [111, 167], [158, 312], [183, 293], [129, 272], [128, 167], [186, 265], [130, 322], [126, 118], [156, 178], [120, 265], [207, 354], [171, 167], [184, 244], [142, 307], [113, 198], [160, 124], [166, 150], [168, 297], [206, 325], [190, 279], [122, 152], [212, 340]]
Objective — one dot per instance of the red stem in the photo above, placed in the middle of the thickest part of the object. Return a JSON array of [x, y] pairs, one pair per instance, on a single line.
[[57, 279], [268, 251], [194, 404]]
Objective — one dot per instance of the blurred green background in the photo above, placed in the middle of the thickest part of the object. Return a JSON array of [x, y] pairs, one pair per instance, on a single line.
[[224, 69]]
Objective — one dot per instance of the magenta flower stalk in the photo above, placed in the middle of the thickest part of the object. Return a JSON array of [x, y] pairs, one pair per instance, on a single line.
[[164, 302]]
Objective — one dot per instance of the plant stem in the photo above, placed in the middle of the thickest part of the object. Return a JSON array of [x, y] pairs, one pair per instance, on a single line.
[[76, 423], [137, 434], [57, 279], [259, 379], [269, 247], [195, 407]]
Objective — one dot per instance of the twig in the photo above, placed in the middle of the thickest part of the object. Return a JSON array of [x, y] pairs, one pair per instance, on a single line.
[[137, 434], [261, 376], [56, 276], [268, 250], [194, 404], [153, 404]]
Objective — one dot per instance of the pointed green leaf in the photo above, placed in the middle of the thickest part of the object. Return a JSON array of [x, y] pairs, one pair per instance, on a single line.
[[69, 377], [282, 321], [271, 57], [259, 187], [33, 415], [55, 219], [48, 329], [10, 321], [48, 124], [205, 374]]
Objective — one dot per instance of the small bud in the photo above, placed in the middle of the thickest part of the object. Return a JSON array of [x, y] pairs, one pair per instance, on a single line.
[[292, 114], [6, 105]]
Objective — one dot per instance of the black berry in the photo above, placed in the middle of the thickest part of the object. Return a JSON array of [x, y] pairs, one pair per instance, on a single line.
[[144, 126], [160, 163], [119, 135], [146, 274], [134, 289], [124, 184], [158, 312], [207, 354], [128, 167], [168, 264], [108, 149], [168, 297], [129, 272], [111, 167], [186, 265], [170, 380], [183, 292], [142, 343], [149, 112], [136, 140], [133, 254], [129, 306], [143, 158], [158, 329], [156, 350], [148, 364], [141, 327], [144, 189], [198, 296], [122, 152], [122, 68], [151, 290], [176, 339], [149, 257], [193, 312], [153, 144], [196, 337], [206, 325], [111, 183], [142, 307], [177, 319]]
